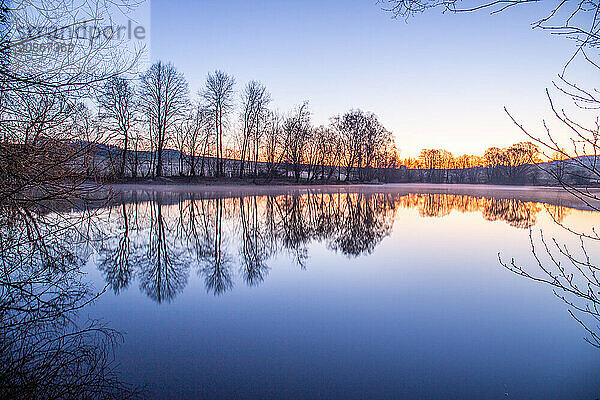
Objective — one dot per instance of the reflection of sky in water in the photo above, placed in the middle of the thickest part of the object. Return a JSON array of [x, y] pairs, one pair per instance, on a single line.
[[385, 301]]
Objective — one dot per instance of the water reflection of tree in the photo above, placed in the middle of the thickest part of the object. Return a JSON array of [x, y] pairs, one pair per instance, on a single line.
[[291, 227], [46, 349], [163, 270], [365, 223], [174, 232], [197, 230], [255, 249], [515, 212], [116, 255], [558, 213], [216, 268], [435, 205]]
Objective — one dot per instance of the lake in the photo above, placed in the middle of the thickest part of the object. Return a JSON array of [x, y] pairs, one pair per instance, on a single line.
[[343, 292]]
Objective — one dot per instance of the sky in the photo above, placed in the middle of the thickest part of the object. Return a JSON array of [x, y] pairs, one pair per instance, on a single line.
[[436, 81]]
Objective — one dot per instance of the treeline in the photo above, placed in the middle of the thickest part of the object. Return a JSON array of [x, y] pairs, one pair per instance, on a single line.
[[520, 163], [223, 132]]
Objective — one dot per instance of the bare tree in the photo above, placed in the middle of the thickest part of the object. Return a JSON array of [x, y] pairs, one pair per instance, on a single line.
[[164, 98], [349, 127], [274, 141], [40, 90], [322, 149], [363, 137], [330, 149], [137, 143], [197, 138], [218, 94], [297, 130], [182, 132], [255, 99], [375, 140], [117, 108]]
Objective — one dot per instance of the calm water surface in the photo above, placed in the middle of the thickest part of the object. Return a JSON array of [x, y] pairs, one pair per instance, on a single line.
[[339, 293]]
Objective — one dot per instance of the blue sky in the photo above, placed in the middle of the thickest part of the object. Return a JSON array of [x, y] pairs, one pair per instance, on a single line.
[[440, 80]]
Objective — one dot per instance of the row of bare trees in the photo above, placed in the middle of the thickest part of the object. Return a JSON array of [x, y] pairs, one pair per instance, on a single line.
[[515, 164], [218, 133]]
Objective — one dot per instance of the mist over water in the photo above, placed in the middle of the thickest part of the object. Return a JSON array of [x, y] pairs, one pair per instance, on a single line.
[[338, 293]]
